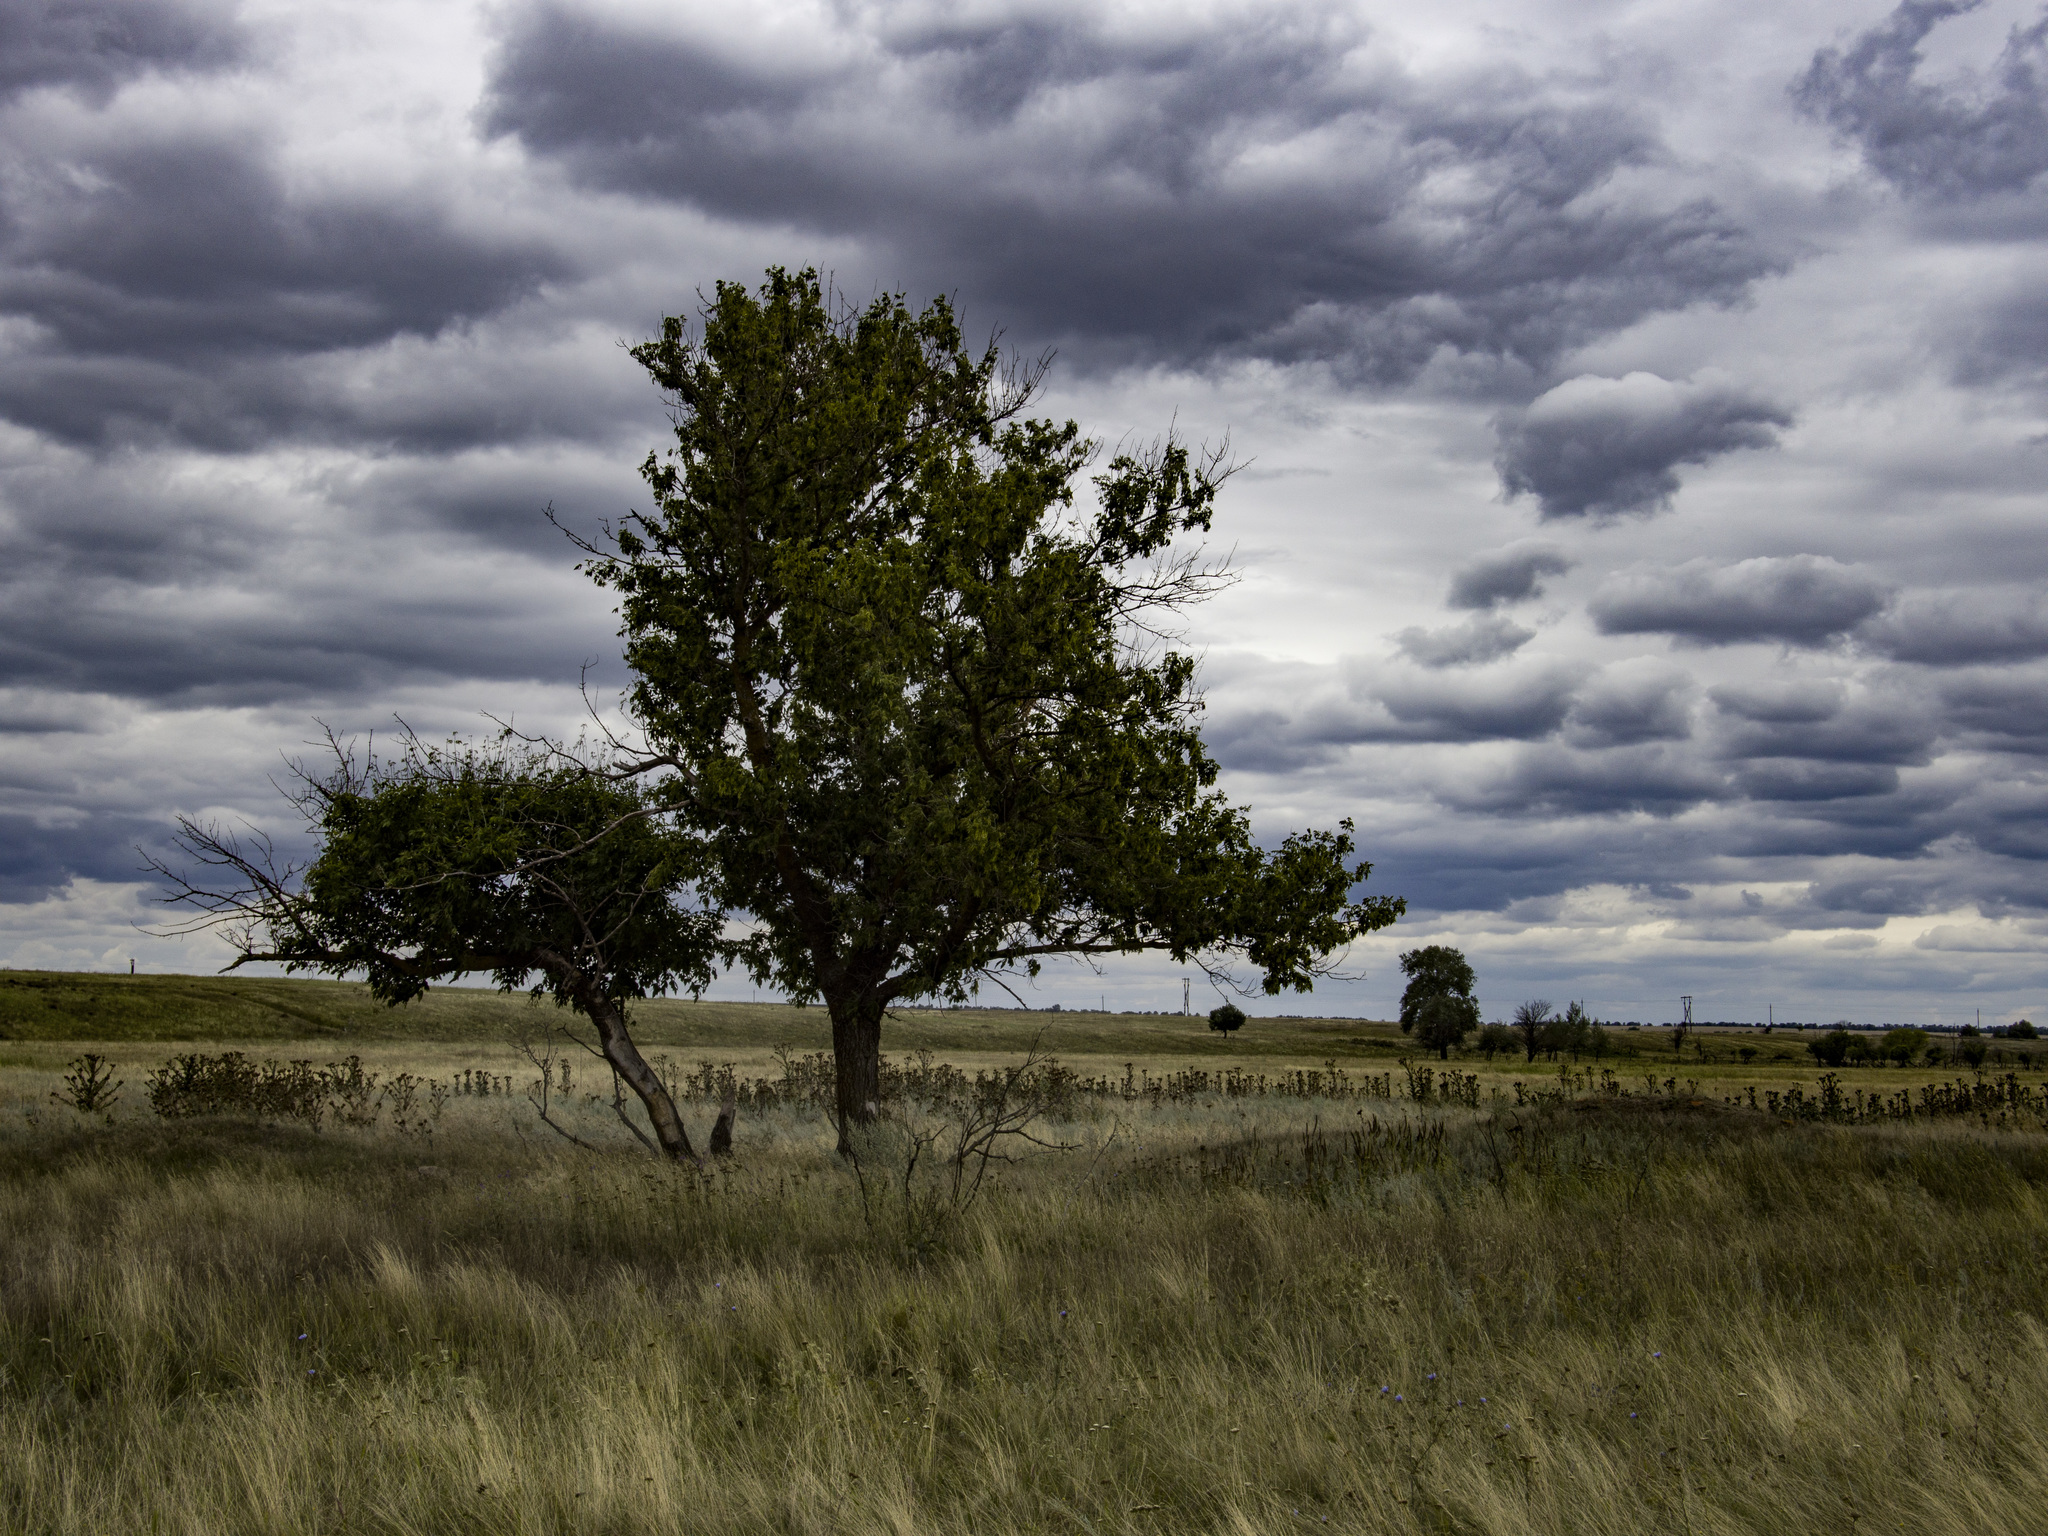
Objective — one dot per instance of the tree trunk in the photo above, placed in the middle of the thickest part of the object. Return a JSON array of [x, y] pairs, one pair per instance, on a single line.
[[645, 1082], [857, 1064]]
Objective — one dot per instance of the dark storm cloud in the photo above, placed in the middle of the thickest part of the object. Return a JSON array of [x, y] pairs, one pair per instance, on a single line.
[[2004, 709], [171, 282], [1595, 447], [1481, 638], [1953, 629], [1552, 780], [37, 861], [1243, 192], [1799, 780], [1953, 141], [96, 46], [1800, 600], [226, 645], [1872, 730], [1511, 575], [1630, 704], [1489, 706]]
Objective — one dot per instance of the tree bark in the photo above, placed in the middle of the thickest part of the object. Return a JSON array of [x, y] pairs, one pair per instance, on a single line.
[[857, 1060], [627, 1061]]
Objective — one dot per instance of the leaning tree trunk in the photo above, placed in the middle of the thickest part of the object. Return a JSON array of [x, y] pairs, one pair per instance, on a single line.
[[632, 1067], [857, 1065]]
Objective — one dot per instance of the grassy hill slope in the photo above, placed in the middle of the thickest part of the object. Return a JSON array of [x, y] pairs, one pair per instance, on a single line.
[[74, 1005]]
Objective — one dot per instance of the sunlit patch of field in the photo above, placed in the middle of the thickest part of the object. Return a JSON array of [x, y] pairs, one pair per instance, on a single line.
[[1593, 1313]]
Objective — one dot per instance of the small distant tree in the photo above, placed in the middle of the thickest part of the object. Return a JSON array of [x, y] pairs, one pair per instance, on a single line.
[[1444, 1021], [1496, 1038], [1972, 1052], [2022, 1029], [1227, 1018], [1904, 1046], [1531, 1020], [1435, 970], [1568, 1033], [1832, 1048]]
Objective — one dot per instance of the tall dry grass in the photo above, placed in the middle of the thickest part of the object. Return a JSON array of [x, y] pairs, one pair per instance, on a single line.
[[1634, 1316]]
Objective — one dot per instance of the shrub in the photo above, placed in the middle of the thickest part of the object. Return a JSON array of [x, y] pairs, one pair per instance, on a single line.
[[1227, 1017], [89, 1086], [2022, 1029]]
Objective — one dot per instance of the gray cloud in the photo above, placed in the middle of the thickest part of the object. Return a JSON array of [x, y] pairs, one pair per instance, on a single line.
[[1800, 780], [1265, 188], [1594, 447], [1481, 638], [1953, 629], [1963, 139], [1486, 706], [1631, 703], [38, 860], [2004, 709], [1511, 575], [1803, 600], [95, 47], [1552, 780], [174, 283], [1881, 730]]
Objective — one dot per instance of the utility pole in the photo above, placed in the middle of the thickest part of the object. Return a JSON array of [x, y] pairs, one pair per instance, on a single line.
[[1183, 995]]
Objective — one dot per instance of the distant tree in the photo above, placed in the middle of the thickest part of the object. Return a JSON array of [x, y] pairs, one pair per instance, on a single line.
[[1569, 1034], [1969, 1031], [1904, 1046], [1496, 1038], [1832, 1048], [2022, 1029], [1531, 1020], [1444, 1021], [1436, 970], [1971, 1053], [1227, 1018]]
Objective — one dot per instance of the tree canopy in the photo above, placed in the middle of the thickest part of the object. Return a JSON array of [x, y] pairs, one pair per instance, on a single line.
[[1435, 970]]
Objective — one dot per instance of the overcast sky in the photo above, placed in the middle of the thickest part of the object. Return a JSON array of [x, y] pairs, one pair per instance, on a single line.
[[1641, 536]]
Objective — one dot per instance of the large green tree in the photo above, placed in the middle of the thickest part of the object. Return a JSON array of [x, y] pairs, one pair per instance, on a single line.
[[915, 706], [902, 707]]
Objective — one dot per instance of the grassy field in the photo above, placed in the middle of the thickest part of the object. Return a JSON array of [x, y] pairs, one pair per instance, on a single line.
[[1599, 1310]]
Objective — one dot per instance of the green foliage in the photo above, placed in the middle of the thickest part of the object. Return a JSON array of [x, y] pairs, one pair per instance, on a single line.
[[1435, 970], [2022, 1029], [1571, 1034], [1226, 1017], [1444, 1020], [888, 673], [1832, 1048], [1903, 1046], [1495, 1039]]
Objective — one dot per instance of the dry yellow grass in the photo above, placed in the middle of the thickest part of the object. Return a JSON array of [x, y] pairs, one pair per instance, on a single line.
[[1211, 1316]]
